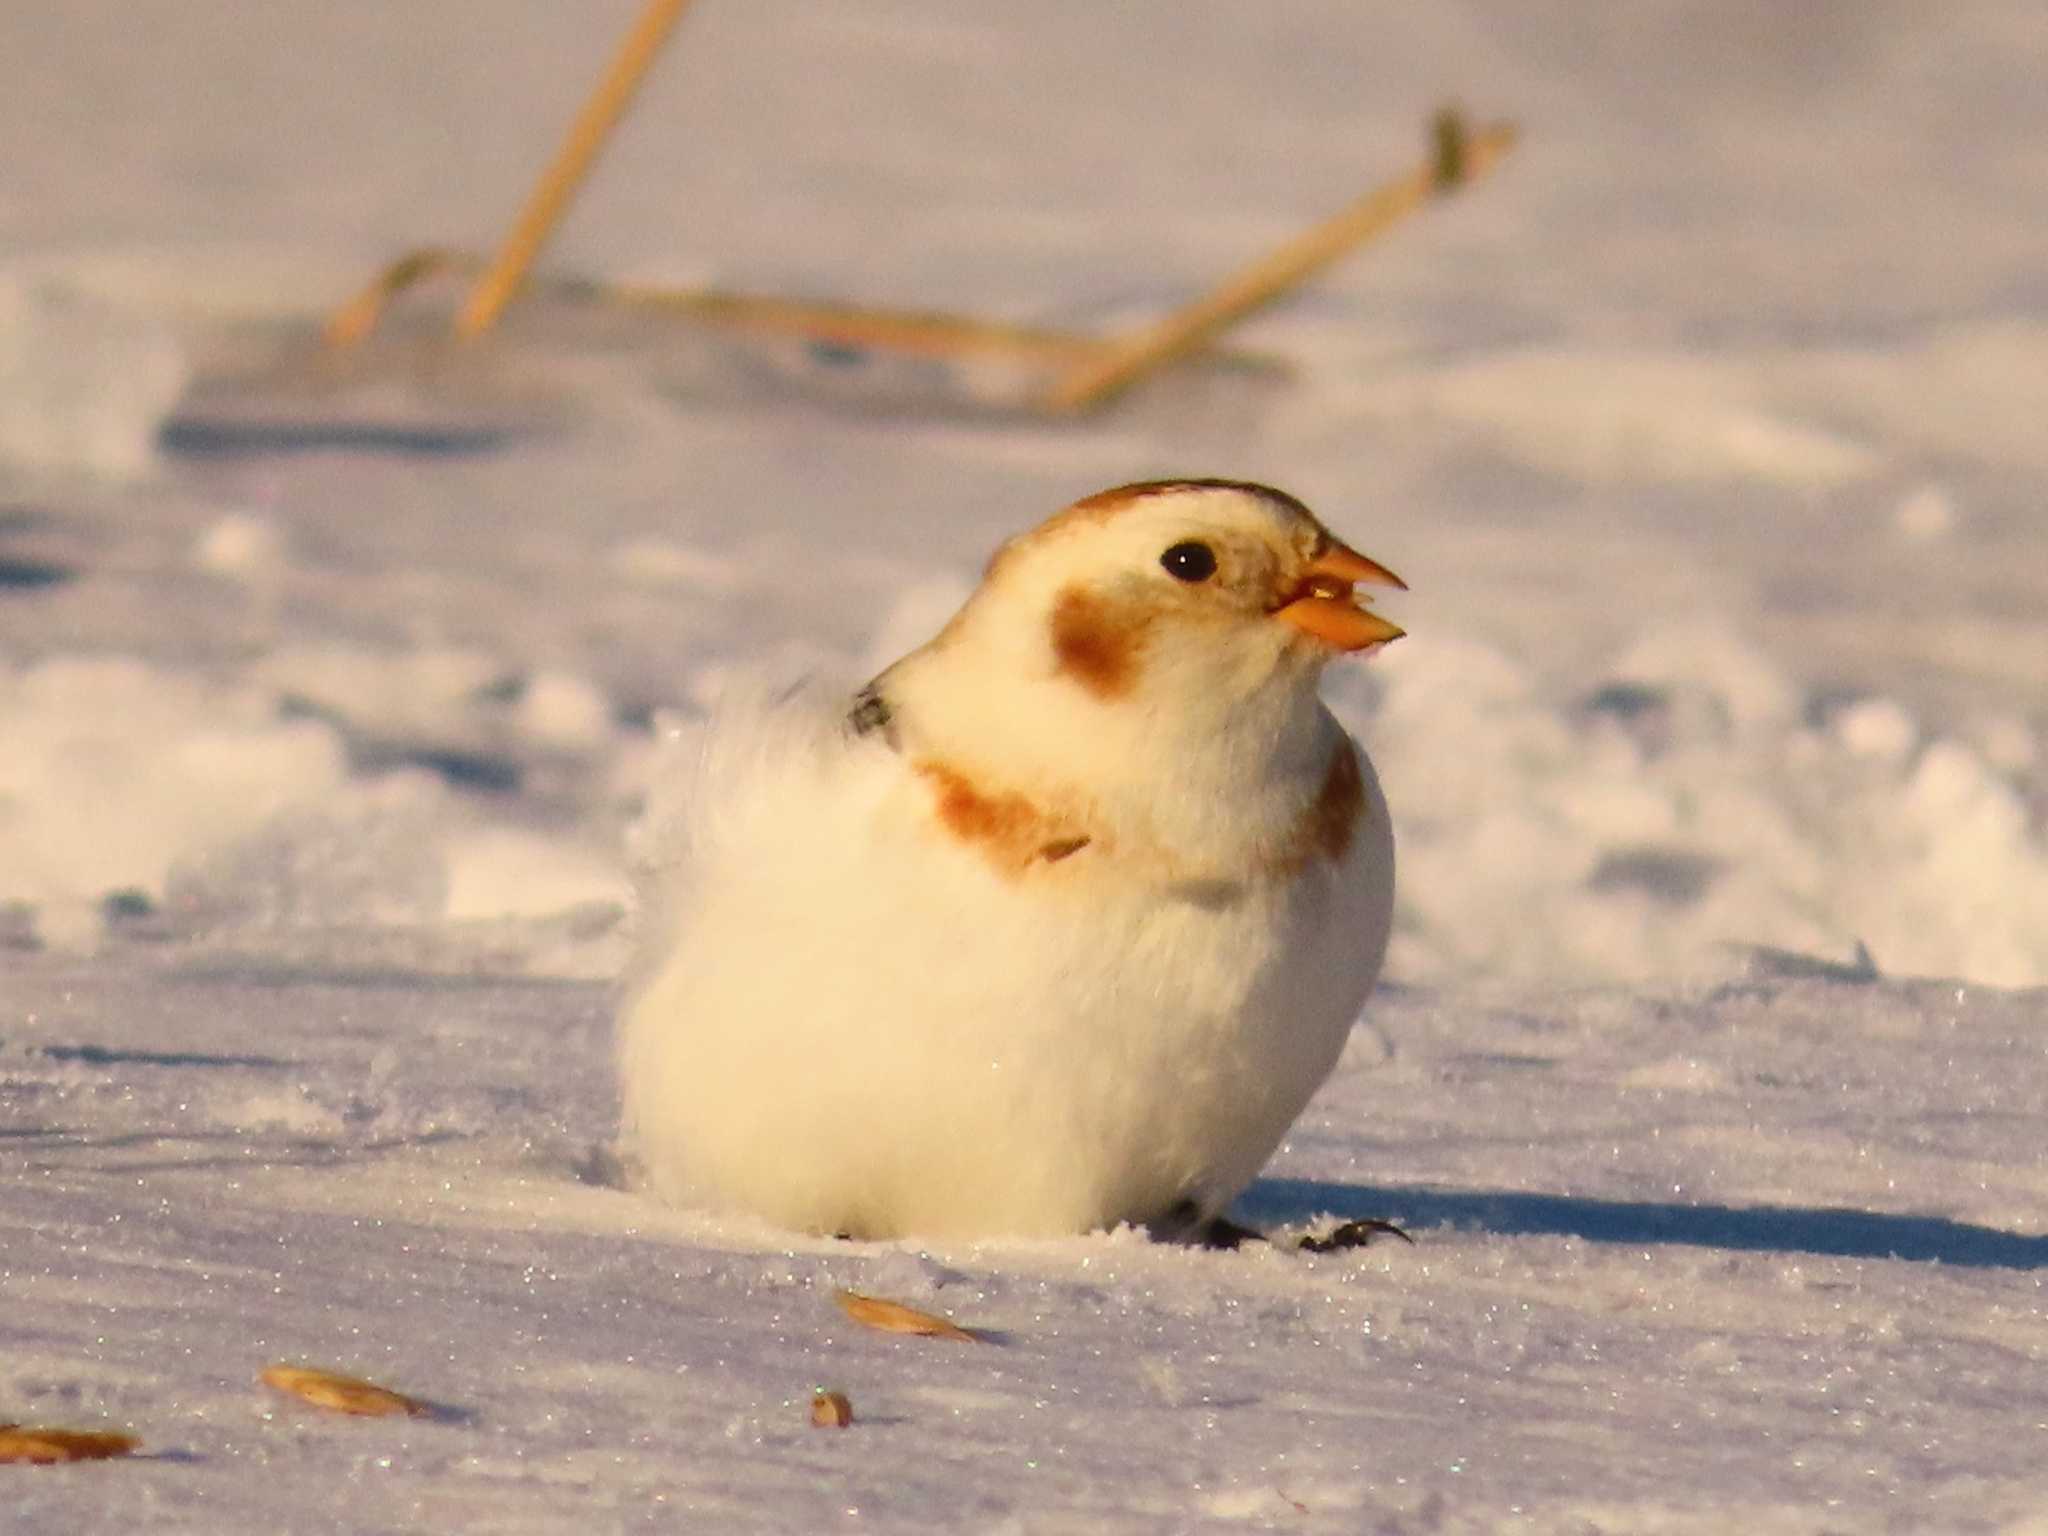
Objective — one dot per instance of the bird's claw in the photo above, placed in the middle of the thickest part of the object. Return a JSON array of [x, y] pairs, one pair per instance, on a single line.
[[1227, 1236], [1182, 1225], [1353, 1234]]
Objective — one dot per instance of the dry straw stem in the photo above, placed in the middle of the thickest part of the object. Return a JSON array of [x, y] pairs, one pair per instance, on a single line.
[[894, 1317], [1456, 159], [572, 163], [359, 316], [44, 1447], [906, 332], [914, 333], [342, 1394], [900, 332]]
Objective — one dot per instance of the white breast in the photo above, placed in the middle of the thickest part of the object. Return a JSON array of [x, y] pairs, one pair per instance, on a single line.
[[850, 1023]]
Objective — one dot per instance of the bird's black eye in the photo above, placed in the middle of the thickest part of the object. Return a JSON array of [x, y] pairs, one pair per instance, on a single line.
[[1190, 560]]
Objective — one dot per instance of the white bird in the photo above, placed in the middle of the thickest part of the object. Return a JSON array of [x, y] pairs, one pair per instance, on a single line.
[[1057, 924]]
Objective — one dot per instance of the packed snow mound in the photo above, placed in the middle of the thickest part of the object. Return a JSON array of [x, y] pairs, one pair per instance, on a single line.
[[1646, 417], [1690, 803], [85, 382], [131, 790], [115, 770]]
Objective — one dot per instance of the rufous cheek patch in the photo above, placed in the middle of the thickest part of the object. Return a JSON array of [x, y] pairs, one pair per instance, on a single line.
[[1098, 644]]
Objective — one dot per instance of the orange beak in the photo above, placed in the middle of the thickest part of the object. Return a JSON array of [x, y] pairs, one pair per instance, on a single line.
[[1324, 607]]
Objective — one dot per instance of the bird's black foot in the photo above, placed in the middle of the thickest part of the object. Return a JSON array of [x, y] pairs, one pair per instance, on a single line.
[[1226, 1236], [1354, 1234], [1186, 1224]]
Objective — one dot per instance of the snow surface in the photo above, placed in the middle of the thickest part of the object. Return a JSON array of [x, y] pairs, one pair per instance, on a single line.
[[1707, 434]]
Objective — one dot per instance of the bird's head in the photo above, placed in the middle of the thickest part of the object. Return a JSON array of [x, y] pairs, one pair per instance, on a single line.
[[1213, 585], [1180, 608]]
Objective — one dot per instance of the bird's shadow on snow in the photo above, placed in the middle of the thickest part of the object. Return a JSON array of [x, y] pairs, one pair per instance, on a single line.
[[1823, 1230]]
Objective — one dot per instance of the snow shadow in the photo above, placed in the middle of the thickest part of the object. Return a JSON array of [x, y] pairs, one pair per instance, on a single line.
[[32, 575], [1830, 1231], [489, 773], [76, 1149], [106, 1056], [191, 437]]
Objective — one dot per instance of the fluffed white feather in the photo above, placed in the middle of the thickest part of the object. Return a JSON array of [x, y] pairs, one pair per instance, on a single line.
[[849, 1018]]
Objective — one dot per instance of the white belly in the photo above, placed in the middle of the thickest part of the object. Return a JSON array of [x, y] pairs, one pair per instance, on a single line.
[[880, 1037]]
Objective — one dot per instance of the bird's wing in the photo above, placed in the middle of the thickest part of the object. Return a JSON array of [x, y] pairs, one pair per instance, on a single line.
[[770, 765]]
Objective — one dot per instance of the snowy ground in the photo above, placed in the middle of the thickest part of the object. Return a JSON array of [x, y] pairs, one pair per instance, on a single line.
[[1707, 435], [1654, 1288]]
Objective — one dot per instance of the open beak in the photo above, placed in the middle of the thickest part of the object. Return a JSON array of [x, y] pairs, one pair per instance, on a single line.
[[1324, 606]]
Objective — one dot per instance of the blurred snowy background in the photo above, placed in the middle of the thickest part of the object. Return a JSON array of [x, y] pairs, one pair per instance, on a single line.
[[1707, 433]]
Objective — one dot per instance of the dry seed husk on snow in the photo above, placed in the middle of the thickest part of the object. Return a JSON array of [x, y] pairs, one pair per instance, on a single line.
[[894, 1317], [343, 1394], [42, 1447], [831, 1410]]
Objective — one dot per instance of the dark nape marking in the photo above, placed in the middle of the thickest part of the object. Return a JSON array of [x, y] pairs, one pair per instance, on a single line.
[[1095, 644], [870, 712]]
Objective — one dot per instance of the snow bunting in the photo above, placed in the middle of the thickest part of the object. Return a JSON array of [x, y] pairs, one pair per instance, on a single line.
[[1056, 924]]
